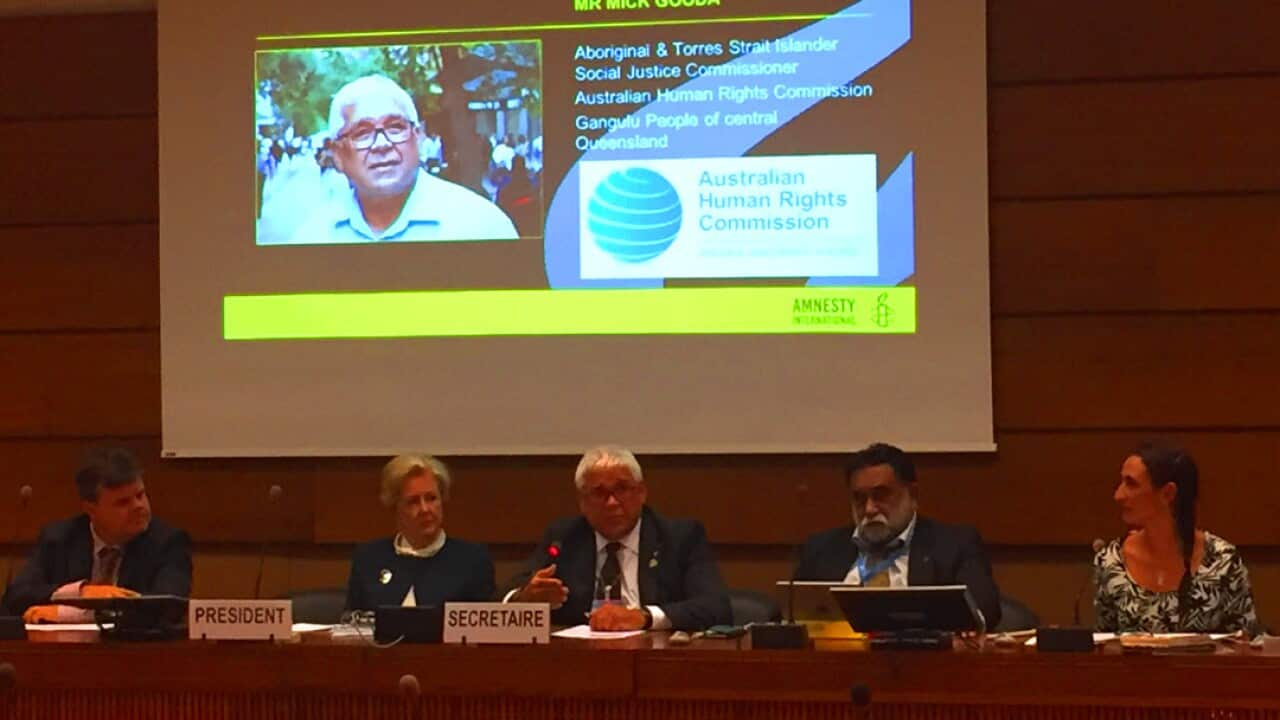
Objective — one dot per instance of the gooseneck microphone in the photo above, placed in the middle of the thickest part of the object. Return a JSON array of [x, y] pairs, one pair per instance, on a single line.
[[1052, 638], [788, 634], [19, 515], [860, 695], [274, 493], [797, 552], [11, 626], [1097, 545]]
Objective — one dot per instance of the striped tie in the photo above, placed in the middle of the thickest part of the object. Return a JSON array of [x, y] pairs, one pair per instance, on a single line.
[[104, 572]]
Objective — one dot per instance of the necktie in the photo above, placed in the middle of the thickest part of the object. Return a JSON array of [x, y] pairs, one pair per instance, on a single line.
[[875, 562], [108, 561], [880, 579], [610, 574]]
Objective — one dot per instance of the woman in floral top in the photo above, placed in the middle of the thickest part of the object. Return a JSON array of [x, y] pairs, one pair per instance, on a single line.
[[1165, 575]]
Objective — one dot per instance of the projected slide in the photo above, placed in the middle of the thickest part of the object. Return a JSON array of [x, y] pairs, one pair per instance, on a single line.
[[486, 227], [683, 168], [351, 144]]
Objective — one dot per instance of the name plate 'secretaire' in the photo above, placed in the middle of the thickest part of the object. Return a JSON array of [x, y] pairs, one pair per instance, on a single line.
[[239, 619], [497, 623]]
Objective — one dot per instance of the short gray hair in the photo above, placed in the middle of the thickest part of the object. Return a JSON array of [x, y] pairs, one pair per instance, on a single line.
[[367, 85], [403, 467], [606, 456]]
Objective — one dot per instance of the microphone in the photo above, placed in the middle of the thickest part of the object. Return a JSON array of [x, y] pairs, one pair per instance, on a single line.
[[410, 687], [19, 514], [550, 556], [786, 635], [1097, 545], [860, 695], [797, 554], [1074, 638], [274, 493]]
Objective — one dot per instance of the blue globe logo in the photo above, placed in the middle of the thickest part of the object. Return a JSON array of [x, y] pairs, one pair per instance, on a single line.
[[634, 215]]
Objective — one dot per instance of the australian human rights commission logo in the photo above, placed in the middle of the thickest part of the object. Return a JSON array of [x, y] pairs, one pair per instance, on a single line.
[[634, 215]]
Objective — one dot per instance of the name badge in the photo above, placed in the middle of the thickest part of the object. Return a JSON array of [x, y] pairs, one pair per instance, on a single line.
[[497, 623], [239, 619]]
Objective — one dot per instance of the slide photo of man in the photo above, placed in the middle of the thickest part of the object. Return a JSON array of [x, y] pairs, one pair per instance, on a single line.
[[395, 143]]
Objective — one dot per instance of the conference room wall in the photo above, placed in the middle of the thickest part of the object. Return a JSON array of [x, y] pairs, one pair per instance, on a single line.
[[1135, 180]]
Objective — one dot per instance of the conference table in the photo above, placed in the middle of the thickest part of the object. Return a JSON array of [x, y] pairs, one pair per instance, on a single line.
[[74, 674]]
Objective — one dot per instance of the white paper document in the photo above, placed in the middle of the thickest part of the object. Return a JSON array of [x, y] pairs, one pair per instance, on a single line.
[[584, 632], [56, 627]]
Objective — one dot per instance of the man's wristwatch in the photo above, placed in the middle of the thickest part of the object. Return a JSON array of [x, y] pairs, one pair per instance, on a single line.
[[648, 618]]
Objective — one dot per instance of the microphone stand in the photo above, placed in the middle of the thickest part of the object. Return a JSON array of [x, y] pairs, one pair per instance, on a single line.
[[788, 635], [1074, 638], [12, 626]]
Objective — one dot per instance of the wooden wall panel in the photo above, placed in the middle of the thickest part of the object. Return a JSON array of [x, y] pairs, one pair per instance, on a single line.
[[80, 277], [1135, 138], [1149, 254], [1052, 41], [80, 384], [60, 172], [214, 501], [78, 65], [1211, 370]]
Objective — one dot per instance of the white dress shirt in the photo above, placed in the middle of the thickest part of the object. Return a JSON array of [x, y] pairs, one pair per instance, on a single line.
[[403, 547], [68, 614], [898, 570], [629, 562]]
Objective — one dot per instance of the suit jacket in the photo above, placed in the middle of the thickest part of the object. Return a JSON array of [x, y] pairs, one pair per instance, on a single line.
[[676, 571], [940, 555], [156, 562], [461, 571]]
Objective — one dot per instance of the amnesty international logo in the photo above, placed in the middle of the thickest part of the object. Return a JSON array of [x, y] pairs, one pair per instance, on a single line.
[[634, 215], [882, 316]]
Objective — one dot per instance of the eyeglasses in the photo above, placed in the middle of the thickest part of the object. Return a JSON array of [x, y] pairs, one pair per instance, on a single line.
[[880, 495], [601, 495], [363, 137]]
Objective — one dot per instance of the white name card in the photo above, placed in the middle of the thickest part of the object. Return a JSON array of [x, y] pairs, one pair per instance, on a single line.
[[497, 623], [239, 619]]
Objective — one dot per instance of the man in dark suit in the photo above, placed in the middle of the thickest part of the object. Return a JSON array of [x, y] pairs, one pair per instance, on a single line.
[[621, 565], [889, 544], [114, 549]]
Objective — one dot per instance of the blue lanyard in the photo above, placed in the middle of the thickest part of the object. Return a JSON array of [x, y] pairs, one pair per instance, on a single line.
[[865, 573]]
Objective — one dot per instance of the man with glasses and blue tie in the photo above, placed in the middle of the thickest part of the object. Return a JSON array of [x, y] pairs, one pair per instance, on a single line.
[[890, 544], [377, 141], [620, 565]]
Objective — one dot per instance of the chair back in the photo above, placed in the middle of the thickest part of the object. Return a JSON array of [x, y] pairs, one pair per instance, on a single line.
[[322, 606], [1015, 616], [751, 606]]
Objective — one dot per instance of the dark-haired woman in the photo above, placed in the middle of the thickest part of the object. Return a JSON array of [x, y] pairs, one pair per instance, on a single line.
[[1165, 575]]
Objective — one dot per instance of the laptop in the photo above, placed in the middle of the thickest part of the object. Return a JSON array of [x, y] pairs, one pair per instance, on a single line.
[[811, 603], [947, 608]]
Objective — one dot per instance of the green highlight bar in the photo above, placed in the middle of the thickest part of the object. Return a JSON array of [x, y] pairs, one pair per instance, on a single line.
[[550, 27], [480, 313]]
